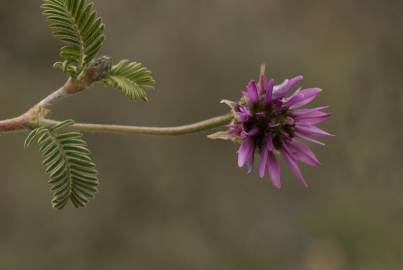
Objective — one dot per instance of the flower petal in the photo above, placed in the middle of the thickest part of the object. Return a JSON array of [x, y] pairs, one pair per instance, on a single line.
[[234, 129], [269, 93], [312, 115], [301, 112], [281, 90], [243, 113], [302, 97], [246, 152], [267, 147], [294, 167], [313, 118], [251, 92], [249, 164], [252, 132], [308, 130], [302, 153], [263, 162], [274, 170], [309, 139]]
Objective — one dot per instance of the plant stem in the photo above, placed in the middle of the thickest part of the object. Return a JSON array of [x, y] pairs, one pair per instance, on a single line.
[[94, 72], [35, 117], [13, 124], [156, 131]]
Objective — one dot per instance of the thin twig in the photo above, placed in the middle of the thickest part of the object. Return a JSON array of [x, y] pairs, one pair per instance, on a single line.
[[40, 110], [35, 117], [93, 73], [156, 131], [13, 124]]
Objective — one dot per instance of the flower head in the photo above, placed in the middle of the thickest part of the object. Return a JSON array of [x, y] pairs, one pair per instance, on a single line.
[[270, 121]]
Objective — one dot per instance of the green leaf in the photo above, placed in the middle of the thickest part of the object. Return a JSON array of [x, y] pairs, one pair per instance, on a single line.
[[77, 25], [131, 78], [67, 161]]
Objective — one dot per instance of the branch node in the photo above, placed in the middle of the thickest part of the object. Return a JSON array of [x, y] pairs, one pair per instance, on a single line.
[[97, 69]]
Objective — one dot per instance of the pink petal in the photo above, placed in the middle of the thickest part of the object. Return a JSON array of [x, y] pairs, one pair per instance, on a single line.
[[294, 167], [269, 92], [313, 118], [250, 133], [300, 112], [303, 153], [246, 152], [308, 130], [234, 129], [269, 144], [312, 114], [249, 164], [274, 170], [299, 135], [263, 162], [302, 97], [243, 113], [267, 147], [281, 90], [251, 92]]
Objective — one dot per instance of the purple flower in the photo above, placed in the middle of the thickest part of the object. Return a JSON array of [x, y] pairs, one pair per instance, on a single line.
[[271, 122]]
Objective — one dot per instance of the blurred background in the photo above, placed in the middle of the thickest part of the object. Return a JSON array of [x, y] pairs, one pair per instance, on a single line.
[[182, 203]]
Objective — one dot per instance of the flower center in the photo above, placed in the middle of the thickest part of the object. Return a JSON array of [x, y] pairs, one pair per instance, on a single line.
[[273, 121]]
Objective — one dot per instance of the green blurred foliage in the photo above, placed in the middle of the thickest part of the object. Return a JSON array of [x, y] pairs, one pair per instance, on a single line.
[[182, 203]]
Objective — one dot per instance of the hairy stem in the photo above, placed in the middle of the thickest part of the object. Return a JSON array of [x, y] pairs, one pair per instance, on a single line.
[[41, 109], [13, 124], [53, 98], [156, 131], [95, 71]]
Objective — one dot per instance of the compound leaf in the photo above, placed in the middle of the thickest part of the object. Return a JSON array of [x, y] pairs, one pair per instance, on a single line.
[[67, 161], [77, 25], [131, 78]]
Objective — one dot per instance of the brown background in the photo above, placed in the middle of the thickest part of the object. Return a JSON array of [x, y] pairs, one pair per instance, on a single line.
[[182, 203]]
